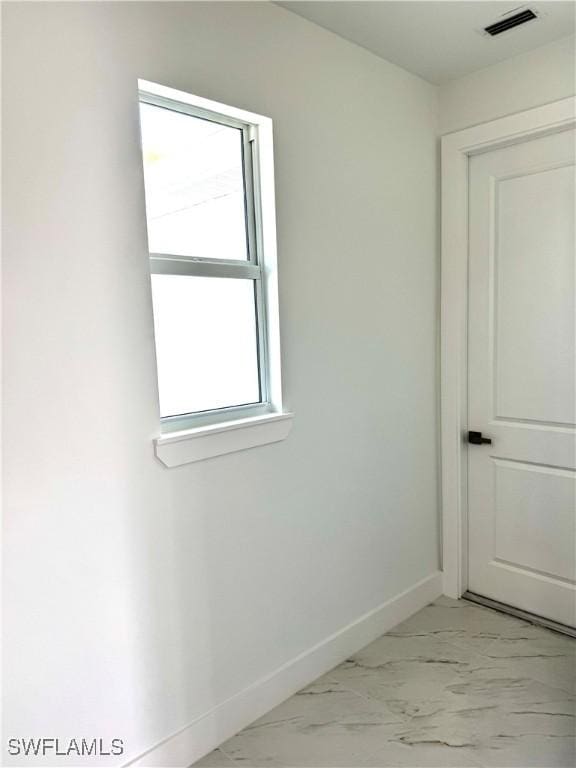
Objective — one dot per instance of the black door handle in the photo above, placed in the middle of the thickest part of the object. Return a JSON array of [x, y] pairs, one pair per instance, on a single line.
[[476, 438]]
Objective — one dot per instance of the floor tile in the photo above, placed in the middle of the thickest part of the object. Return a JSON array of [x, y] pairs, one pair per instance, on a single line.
[[408, 674], [529, 752], [215, 759], [539, 654], [407, 754], [460, 623], [478, 725], [499, 682], [323, 725], [456, 686]]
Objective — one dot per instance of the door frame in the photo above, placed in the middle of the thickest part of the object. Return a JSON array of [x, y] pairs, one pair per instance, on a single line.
[[456, 149]]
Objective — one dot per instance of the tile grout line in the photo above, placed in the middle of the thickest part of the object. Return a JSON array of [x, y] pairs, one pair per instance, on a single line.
[[372, 699], [229, 757]]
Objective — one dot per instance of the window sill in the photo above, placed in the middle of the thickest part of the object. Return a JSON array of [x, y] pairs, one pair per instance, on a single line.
[[189, 445]]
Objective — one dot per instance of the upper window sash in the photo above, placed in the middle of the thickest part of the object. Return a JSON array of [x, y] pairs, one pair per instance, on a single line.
[[251, 192]]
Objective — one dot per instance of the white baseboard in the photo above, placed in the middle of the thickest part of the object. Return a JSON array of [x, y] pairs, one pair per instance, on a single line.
[[210, 730]]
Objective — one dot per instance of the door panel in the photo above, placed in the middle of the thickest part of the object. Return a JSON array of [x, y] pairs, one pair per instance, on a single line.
[[523, 536], [534, 267], [522, 487]]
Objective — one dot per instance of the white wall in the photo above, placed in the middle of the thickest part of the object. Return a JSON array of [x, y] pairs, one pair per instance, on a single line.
[[138, 598], [538, 77]]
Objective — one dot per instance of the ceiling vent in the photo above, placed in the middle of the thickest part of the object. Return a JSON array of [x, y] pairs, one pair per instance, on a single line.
[[522, 17]]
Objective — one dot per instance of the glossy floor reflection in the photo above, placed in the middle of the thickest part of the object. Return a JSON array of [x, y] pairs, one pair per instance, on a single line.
[[455, 685]]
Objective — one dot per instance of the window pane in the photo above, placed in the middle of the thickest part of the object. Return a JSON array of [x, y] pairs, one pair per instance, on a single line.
[[206, 344], [194, 182]]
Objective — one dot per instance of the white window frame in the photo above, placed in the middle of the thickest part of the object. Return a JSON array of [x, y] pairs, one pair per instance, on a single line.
[[196, 436]]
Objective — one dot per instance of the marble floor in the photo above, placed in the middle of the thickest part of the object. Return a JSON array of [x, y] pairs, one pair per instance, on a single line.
[[455, 685]]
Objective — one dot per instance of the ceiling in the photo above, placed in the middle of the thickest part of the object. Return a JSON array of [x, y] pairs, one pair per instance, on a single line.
[[440, 40]]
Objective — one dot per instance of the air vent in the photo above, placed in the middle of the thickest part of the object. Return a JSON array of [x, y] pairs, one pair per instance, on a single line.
[[510, 22]]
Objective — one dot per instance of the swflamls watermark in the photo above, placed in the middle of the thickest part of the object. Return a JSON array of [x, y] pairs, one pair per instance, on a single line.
[[56, 747]]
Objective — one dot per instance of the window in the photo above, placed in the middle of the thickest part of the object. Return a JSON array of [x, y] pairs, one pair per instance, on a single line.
[[208, 180]]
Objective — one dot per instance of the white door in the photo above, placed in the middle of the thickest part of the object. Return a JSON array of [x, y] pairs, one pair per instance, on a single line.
[[521, 368]]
